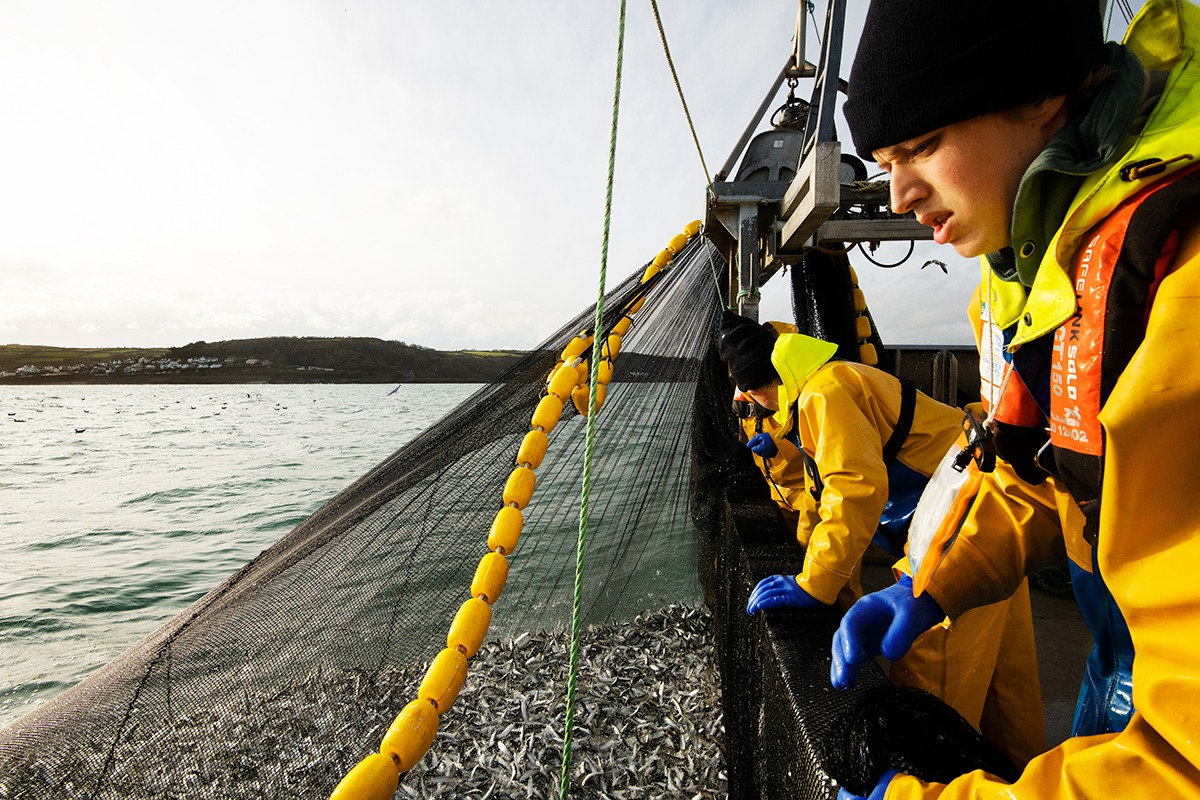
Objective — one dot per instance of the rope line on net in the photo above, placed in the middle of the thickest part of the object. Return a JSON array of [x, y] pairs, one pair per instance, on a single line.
[[377, 776], [662, 34], [589, 437], [582, 382], [722, 293]]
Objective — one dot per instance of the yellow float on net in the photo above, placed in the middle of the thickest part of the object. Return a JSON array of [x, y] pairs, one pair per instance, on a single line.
[[862, 327], [518, 490], [564, 379], [410, 735], [490, 577], [622, 326], [867, 354], [374, 778], [469, 627], [444, 679], [612, 347], [583, 369], [677, 243], [533, 449], [506, 530], [547, 413], [604, 373], [860, 300], [576, 347], [657, 265], [692, 228], [581, 399]]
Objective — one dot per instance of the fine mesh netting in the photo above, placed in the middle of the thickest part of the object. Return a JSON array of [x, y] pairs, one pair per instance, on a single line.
[[908, 730], [279, 680], [373, 578]]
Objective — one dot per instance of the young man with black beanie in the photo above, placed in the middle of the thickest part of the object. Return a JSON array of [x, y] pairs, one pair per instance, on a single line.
[[1070, 167]]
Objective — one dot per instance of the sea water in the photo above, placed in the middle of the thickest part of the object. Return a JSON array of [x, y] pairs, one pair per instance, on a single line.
[[122, 505]]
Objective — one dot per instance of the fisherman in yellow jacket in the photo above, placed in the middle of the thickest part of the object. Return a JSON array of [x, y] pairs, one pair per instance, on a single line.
[[1014, 132], [782, 463], [850, 449]]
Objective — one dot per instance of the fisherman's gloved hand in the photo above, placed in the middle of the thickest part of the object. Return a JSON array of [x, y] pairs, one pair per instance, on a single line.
[[884, 622], [876, 794], [761, 444], [780, 591]]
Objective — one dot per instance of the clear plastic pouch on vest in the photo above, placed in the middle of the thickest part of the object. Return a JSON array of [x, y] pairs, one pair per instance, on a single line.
[[940, 513]]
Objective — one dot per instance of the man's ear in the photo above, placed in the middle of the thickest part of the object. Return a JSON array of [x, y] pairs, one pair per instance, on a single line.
[[1047, 112]]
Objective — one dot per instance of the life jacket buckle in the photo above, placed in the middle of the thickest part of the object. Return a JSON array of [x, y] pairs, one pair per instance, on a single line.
[[978, 447]]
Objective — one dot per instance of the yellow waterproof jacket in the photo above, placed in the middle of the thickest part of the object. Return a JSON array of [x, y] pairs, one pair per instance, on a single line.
[[1149, 530], [844, 412]]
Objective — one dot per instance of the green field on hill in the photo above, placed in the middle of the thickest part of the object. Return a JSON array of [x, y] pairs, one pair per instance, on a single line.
[[278, 359]]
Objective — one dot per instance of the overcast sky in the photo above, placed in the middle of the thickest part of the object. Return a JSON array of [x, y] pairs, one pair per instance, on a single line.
[[432, 172]]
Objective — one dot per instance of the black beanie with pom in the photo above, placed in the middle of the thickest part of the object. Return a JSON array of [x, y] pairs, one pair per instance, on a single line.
[[746, 347], [925, 64]]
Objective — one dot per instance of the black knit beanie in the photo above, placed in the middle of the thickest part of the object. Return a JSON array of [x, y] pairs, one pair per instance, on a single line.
[[746, 347], [924, 64]]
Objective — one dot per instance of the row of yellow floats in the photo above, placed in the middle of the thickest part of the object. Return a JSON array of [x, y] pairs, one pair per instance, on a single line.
[[862, 323], [377, 776]]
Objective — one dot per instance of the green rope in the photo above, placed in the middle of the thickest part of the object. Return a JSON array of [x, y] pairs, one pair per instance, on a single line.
[[597, 351], [1108, 22], [662, 34]]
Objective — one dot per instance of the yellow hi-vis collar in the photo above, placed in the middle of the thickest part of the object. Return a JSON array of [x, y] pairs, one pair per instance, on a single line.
[[796, 357]]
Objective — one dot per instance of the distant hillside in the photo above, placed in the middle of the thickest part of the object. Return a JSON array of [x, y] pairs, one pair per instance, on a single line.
[[278, 359]]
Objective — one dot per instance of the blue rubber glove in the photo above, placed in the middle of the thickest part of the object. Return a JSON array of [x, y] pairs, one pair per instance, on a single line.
[[761, 444], [780, 591], [877, 793], [884, 622]]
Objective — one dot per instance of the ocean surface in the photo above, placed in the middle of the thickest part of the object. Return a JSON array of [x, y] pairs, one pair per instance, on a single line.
[[121, 505]]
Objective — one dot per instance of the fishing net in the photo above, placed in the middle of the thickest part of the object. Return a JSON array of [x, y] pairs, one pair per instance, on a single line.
[[909, 731], [279, 680], [369, 584]]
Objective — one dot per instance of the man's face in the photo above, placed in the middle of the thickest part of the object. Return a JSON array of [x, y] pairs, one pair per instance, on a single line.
[[961, 180], [767, 397]]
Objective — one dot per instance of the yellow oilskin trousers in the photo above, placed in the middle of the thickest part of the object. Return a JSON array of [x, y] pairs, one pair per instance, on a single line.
[[984, 666]]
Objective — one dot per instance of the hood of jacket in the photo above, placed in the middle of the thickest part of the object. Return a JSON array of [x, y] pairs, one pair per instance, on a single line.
[[1163, 38], [796, 358]]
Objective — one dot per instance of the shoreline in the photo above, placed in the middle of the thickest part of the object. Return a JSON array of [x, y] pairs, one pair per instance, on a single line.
[[230, 377]]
